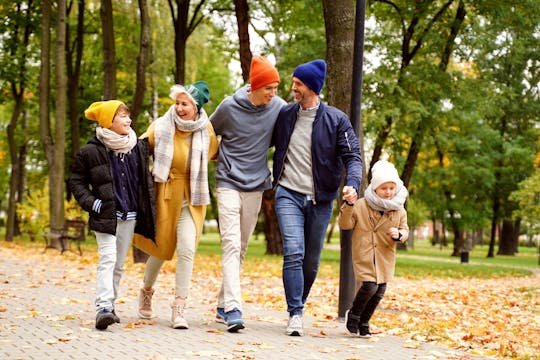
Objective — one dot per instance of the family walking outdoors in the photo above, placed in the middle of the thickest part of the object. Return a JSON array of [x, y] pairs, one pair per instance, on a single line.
[[161, 208]]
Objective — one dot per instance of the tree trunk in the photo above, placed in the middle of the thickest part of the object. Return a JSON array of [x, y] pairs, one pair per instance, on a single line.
[[180, 22], [274, 242], [143, 59], [109, 50], [494, 222], [73, 68], [425, 122], [507, 238], [241, 9], [44, 118], [339, 25], [11, 230], [57, 166], [18, 152]]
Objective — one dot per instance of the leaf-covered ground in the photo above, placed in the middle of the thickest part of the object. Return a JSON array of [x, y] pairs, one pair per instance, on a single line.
[[498, 318]]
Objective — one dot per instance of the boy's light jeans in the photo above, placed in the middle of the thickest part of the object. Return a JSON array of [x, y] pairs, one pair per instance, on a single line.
[[238, 213], [112, 250], [186, 241]]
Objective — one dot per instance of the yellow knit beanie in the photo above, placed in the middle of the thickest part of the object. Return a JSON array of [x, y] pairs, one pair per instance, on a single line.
[[103, 112]]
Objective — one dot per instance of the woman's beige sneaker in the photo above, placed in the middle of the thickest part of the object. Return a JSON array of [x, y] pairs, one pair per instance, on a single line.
[[145, 304], [177, 317]]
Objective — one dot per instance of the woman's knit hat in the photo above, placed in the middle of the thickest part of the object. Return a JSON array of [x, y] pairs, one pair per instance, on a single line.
[[198, 92], [383, 172], [312, 74], [103, 112], [262, 73]]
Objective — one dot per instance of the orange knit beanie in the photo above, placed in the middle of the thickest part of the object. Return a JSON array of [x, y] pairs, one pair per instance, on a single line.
[[262, 73]]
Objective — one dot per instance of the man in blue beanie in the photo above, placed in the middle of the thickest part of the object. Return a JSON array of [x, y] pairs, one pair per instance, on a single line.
[[313, 143]]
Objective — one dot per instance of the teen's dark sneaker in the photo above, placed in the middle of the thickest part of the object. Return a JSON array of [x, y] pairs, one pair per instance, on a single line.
[[221, 317], [234, 320], [104, 318], [352, 323], [364, 332], [116, 318]]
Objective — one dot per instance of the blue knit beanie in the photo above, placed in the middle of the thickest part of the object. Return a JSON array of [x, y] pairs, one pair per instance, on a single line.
[[312, 74]]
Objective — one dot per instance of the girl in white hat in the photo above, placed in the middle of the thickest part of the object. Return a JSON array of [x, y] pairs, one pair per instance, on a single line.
[[379, 222]]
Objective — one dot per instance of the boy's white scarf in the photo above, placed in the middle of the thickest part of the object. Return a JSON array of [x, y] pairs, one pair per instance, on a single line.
[[164, 147], [379, 204], [119, 144]]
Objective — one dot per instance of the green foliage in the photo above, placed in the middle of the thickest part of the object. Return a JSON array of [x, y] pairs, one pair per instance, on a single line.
[[527, 196], [33, 212]]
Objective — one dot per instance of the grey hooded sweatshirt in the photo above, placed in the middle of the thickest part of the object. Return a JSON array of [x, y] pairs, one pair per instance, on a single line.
[[246, 134]]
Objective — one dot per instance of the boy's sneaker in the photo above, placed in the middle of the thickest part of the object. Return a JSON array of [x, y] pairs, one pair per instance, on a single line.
[[352, 323], [364, 332], [295, 326], [221, 317], [145, 304], [234, 320], [104, 318]]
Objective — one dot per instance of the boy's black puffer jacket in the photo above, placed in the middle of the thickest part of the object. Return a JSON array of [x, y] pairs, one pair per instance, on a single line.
[[91, 179]]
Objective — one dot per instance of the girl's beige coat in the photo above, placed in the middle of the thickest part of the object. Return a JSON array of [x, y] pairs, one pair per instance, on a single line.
[[373, 250]]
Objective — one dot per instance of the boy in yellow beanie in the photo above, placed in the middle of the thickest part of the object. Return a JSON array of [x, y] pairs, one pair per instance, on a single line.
[[110, 179]]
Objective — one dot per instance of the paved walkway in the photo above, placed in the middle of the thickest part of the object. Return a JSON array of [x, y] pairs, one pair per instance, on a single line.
[[46, 312]]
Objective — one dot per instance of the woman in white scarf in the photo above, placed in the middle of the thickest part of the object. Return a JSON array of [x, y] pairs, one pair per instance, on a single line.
[[182, 141]]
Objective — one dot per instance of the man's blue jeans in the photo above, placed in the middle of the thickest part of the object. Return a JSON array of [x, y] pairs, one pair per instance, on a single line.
[[303, 226]]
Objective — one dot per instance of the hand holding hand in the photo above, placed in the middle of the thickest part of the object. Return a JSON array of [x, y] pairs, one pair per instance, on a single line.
[[349, 194]]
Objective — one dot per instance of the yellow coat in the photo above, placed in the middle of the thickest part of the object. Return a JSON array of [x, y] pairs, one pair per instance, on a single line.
[[171, 195], [373, 250]]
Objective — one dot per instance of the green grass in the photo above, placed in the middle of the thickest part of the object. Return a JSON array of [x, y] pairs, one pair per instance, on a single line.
[[420, 262]]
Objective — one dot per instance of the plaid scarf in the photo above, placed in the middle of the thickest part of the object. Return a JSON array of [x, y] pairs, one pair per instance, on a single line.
[[164, 147]]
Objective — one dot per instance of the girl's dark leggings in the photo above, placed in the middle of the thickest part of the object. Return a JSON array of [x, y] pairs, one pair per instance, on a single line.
[[367, 298]]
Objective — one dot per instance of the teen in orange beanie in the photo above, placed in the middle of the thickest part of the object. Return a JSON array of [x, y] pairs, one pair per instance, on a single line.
[[245, 122], [262, 73]]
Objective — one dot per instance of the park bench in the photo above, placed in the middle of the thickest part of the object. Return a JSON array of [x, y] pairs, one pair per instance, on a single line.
[[74, 230]]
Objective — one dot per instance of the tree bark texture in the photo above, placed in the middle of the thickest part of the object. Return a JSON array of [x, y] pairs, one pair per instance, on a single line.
[[241, 9], [109, 50], [143, 59], [57, 165], [74, 53], [274, 242], [339, 24]]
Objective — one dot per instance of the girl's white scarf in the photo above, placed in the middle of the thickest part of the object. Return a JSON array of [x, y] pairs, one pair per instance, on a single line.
[[379, 204], [119, 144], [164, 147]]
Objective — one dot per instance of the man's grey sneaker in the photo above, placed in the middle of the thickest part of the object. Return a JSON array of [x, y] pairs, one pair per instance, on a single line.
[[234, 320], [221, 317], [364, 332], [104, 318], [352, 323], [295, 326]]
